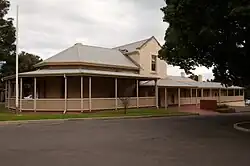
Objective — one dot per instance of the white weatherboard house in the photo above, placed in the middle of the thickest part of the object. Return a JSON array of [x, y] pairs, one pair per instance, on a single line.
[[87, 78]]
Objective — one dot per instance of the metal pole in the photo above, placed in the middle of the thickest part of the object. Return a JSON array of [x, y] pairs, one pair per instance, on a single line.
[[17, 90]]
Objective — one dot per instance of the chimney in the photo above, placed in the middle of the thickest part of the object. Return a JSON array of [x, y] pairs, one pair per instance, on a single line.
[[183, 74], [200, 79]]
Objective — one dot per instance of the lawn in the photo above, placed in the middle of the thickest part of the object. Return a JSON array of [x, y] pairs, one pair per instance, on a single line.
[[7, 116]]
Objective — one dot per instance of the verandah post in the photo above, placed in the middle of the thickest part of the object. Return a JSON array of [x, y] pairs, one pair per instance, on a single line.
[[65, 94], [179, 97], [156, 94], [116, 100], [191, 96], [81, 93], [166, 98], [9, 93], [219, 96], [6, 93], [21, 93], [196, 96], [90, 100], [35, 94], [137, 93]]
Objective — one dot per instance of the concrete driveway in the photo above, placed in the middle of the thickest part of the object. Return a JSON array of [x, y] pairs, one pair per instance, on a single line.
[[176, 141]]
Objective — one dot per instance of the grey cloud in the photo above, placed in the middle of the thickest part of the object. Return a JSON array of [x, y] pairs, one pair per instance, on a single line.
[[51, 25], [149, 19], [149, 4]]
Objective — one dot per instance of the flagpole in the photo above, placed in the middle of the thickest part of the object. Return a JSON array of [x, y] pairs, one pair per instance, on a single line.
[[17, 51]]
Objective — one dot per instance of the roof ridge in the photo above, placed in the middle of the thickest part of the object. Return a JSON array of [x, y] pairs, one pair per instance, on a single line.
[[78, 51], [44, 61], [133, 43], [183, 82], [97, 47]]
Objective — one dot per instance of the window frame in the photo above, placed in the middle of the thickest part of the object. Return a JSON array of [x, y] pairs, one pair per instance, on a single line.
[[153, 62]]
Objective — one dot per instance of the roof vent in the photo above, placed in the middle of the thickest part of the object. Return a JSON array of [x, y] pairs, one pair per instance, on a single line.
[[200, 79], [183, 75], [77, 44]]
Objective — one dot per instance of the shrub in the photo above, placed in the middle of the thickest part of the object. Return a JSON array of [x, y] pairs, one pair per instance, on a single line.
[[222, 106], [225, 110]]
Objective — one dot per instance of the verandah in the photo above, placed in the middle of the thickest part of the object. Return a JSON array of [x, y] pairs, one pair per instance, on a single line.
[[192, 96], [78, 93]]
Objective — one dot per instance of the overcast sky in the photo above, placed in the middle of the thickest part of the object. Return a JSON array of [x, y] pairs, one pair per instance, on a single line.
[[49, 26]]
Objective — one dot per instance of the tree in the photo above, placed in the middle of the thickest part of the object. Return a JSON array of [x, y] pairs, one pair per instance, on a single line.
[[7, 47], [7, 35], [193, 77], [125, 99], [209, 33], [7, 32], [26, 63]]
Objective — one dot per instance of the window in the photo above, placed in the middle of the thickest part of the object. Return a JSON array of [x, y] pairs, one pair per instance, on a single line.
[[153, 63]]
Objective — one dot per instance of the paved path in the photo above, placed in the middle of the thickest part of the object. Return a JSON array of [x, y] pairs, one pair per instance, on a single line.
[[196, 110], [176, 141]]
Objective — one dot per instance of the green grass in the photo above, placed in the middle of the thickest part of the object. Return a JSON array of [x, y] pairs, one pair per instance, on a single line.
[[7, 116]]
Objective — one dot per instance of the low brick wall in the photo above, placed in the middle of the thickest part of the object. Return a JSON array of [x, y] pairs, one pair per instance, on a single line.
[[208, 104]]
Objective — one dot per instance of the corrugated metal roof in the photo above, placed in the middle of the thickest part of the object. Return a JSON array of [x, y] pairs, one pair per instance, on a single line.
[[182, 79], [191, 82], [132, 46], [51, 72], [92, 54], [167, 82], [215, 85], [177, 81]]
